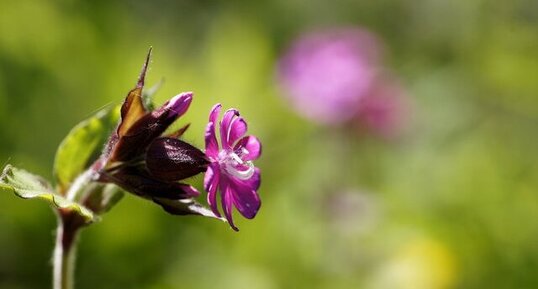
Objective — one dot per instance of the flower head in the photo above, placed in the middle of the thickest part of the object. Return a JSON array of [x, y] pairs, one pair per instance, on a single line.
[[231, 171], [386, 109], [325, 74]]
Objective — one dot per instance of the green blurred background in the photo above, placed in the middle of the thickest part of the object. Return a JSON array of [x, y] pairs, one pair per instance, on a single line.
[[451, 204]]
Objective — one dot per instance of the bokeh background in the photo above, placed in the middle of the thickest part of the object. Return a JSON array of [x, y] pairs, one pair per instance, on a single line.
[[449, 201]]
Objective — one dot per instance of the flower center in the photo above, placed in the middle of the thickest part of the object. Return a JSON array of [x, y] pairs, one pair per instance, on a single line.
[[235, 166]]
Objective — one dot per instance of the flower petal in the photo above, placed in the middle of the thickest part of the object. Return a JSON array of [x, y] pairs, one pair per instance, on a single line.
[[177, 106], [236, 130], [227, 202], [246, 199], [211, 145], [252, 146], [214, 113], [255, 181], [229, 115], [211, 184]]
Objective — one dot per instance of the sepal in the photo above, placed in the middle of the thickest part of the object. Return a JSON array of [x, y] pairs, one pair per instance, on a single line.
[[138, 182], [103, 197], [186, 207]]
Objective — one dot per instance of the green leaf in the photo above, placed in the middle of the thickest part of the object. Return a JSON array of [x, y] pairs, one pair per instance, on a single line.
[[30, 186], [83, 145]]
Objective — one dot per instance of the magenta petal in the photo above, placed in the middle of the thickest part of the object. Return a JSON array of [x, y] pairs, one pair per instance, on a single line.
[[211, 183], [210, 175], [254, 182], [214, 113], [252, 146], [227, 202], [229, 115], [190, 190], [179, 104], [246, 199], [236, 130], [211, 145]]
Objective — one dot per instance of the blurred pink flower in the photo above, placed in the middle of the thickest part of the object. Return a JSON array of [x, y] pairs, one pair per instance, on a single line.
[[325, 74], [385, 110]]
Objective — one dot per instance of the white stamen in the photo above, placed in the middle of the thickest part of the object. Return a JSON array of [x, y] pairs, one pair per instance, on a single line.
[[236, 158], [231, 160], [243, 175]]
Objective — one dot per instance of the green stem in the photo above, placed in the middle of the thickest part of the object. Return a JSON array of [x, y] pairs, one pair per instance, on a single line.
[[64, 253], [79, 185]]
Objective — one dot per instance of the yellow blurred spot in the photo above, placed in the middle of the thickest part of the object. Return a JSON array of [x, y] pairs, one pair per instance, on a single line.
[[419, 264]]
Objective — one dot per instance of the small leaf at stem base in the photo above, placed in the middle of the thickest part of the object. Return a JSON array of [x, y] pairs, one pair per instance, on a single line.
[[30, 186]]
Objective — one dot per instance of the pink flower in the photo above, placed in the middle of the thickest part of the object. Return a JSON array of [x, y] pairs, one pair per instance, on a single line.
[[231, 171], [385, 110], [326, 74]]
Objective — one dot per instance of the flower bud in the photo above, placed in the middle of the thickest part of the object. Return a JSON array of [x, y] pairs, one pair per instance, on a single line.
[[137, 181], [170, 159]]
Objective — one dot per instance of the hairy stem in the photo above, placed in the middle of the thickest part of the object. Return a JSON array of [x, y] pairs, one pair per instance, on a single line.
[[64, 252], [79, 185]]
